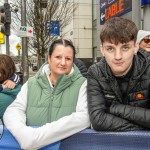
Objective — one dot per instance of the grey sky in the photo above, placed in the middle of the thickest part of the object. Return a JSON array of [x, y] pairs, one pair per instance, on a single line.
[[13, 40]]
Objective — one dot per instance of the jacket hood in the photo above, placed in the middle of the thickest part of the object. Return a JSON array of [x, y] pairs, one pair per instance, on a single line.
[[63, 81], [140, 64]]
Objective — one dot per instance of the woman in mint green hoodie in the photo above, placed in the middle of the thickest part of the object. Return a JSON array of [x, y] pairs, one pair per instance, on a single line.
[[55, 100], [9, 83]]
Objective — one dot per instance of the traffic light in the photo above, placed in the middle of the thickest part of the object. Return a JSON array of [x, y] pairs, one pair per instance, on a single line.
[[2, 19], [7, 13], [5, 18]]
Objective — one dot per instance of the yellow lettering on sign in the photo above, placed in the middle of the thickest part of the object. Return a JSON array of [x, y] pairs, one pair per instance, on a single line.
[[114, 9]]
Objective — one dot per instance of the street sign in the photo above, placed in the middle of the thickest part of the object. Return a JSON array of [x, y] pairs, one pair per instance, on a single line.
[[2, 38], [18, 47], [25, 31], [145, 2], [53, 28], [113, 8]]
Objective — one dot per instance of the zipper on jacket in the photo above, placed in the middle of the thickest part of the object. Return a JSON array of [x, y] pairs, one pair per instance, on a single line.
[[50, 105]]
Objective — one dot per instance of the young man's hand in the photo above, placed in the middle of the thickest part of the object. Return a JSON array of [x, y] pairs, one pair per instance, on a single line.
[[8, 84]]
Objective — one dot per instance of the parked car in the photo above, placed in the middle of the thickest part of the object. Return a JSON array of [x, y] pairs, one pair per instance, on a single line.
[[34, 67], [18, 67]]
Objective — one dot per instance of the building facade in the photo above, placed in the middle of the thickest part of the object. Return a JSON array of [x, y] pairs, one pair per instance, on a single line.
[[80, 30], [89, 17]]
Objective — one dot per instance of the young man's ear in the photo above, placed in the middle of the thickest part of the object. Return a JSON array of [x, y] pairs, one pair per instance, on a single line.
[[102, 50], [136, 48]]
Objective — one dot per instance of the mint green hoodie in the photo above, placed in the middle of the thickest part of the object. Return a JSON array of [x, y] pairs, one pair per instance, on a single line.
[[46, 104]]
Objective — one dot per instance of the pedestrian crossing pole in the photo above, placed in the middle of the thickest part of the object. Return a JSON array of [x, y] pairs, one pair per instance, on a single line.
[[24, 43], [7, 38]]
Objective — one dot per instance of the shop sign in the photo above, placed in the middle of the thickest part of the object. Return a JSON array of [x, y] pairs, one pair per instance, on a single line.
[[113, 8]]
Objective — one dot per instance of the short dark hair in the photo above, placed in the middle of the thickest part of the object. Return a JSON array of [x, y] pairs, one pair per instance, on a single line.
[[63, 42], [7, 67], [118, 30]]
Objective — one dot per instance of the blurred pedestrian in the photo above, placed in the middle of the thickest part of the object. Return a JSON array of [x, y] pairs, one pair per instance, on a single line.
[[81, 65], [143, 38]]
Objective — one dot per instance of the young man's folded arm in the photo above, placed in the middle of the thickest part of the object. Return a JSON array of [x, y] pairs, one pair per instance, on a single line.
[[138, 115], [100, 117]]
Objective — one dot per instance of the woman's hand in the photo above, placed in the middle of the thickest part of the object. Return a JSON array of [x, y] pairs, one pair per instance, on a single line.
[[8, 84]]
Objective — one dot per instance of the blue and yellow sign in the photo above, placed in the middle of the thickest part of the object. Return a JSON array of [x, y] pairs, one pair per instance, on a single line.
[[18, 47]]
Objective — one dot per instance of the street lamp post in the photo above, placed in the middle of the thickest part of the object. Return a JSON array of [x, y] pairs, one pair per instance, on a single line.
[[24, 43], [7, 39]]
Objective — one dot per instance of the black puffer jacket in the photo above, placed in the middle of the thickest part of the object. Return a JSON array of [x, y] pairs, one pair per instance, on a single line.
[[110, 111], [82, 67]]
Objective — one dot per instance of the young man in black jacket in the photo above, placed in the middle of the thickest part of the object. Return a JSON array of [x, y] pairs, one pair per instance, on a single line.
[[119, 85]]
